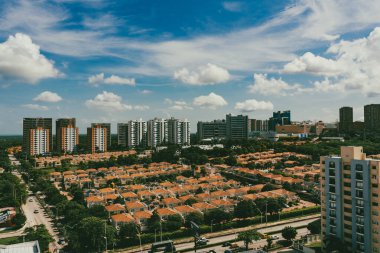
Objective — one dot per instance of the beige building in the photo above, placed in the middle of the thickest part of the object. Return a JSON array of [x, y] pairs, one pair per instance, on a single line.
[[97, 138], [350, 199]]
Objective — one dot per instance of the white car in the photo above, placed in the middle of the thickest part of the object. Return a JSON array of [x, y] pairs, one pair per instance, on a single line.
[[274, 237]]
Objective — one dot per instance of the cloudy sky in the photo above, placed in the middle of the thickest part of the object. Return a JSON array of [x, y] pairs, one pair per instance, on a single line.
[[113, 61]]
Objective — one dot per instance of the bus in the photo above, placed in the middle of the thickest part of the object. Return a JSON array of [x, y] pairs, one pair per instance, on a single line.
[[164, 246]]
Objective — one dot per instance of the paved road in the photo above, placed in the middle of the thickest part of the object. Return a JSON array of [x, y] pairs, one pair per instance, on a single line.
[[33, 219], [222, 239], [256, 245]]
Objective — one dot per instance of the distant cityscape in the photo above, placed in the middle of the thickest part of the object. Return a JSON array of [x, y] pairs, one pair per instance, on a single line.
[[38, 137]]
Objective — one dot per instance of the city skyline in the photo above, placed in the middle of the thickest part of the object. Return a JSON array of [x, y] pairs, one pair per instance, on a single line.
[[191, 60]]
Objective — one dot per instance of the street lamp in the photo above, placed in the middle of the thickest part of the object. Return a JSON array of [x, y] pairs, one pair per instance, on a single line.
[[211, 224], [261, 213], [105, 233], [139, 236]]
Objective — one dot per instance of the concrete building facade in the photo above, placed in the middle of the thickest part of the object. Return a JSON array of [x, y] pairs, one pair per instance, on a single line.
[[350, 199], [37, 130]]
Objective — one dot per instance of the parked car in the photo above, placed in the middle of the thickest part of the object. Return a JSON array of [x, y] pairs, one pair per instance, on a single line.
[[274, 237], [36, 211]]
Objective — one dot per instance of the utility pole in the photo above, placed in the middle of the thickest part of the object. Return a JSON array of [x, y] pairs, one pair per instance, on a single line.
[[105, 233]]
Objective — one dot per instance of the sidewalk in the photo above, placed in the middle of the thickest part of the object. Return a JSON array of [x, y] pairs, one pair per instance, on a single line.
[[225, 232]]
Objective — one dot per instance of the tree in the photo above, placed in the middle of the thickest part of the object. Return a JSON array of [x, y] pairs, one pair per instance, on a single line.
[[334, 244], [19, 220], [289, 233], [217, 215], [89, 236], [248, 236], [314, 227], [173, 223], [40, 234], [269, 243], [199, 190], [190, 201], [128, 230], [154, 222], [231, 160], [268, 187], [98, 211], [194, 217], [244, 209]]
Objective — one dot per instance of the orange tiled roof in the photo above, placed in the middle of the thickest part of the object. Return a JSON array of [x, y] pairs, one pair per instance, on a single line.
[[122, 217], [165, 211], [115, 208], [185, 209]]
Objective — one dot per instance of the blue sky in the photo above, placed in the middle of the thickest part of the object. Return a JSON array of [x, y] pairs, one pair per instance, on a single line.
[[113, 61]]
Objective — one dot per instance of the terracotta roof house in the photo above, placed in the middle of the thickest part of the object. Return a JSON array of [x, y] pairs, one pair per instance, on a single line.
[[94, 200], [121, 218], [171, 202], [202, 206], [133, 207]]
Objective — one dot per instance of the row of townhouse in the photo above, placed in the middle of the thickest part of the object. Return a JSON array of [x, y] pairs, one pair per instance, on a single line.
[[266, 157], [99, 177], [76, 159], [169, 198], [274, 178]]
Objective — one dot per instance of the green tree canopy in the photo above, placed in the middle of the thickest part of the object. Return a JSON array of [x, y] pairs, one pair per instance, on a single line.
[[248, 237], [289, 233]]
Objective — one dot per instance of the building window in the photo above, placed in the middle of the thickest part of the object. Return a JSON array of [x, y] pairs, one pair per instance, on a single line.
[[332, 164], [359, 167], [359, 176], [347, 167], [359, 185]]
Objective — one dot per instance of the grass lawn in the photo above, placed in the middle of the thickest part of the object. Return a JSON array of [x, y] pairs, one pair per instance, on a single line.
[[10, 240]]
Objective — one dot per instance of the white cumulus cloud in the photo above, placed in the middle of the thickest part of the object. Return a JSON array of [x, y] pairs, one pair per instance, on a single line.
[[203, 75], [108, 101], [251, 105], [48, 96], [178, 105], [36, 107], [212, 101], [113, 79], [21, 59], [271, 86]]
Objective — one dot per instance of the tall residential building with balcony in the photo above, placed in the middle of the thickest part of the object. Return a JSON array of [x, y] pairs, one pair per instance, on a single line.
[[97, 138], [136, 133], [37, 136], [372, 117], [237, 127], [66, 135], [258, 125], [178, 131], [108, 127], [346, 119], [157, 132], [216, 129], [122, 134], [350, 199]]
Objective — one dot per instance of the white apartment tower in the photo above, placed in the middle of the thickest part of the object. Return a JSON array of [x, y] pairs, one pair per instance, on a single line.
[[136, 133], [157, 132], [97, 138], [39, 141], [70, 138], [178, 131]]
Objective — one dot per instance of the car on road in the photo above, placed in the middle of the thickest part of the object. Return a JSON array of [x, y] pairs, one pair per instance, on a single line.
[[36, 211], [234, 245], [226, 244], [30, 200], [274, 237], [61, 241]]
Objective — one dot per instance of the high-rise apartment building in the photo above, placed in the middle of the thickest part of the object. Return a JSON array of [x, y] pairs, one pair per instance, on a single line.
[[66, 135], [37, 136], [136, 133], [350, 200], [122, 134], [237, 127], [157, 132], [372, 117], [346, 119], [97, 138], [279, 118], [178, 131], [108, 127], [216, 129], [258, 125]]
